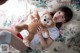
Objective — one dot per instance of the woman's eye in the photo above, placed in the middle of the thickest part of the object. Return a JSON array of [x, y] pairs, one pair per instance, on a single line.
[[62, 17], [59, 12]]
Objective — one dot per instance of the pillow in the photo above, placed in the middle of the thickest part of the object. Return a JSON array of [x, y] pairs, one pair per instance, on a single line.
[[49, 5]]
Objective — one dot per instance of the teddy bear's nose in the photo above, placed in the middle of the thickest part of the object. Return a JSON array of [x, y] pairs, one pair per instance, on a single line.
[[44, 19]]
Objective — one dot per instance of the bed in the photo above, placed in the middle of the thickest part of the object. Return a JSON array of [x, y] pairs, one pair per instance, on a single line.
[[14, 12]]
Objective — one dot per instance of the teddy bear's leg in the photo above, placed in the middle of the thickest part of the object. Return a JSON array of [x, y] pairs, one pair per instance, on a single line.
[[21, 27]]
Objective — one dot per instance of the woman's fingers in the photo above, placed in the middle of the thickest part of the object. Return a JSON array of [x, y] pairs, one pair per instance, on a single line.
[[39, 30]]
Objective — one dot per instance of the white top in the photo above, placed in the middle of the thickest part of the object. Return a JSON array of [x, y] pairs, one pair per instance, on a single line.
[[53, 32]]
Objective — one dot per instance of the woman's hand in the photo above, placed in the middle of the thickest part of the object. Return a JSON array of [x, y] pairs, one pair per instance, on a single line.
[[42, 41], [39, 30]]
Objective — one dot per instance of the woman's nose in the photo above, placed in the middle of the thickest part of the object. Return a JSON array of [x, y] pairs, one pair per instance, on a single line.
[[58, 16]]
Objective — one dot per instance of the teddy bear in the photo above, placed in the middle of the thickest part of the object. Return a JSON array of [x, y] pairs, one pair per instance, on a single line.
[[45, 21]]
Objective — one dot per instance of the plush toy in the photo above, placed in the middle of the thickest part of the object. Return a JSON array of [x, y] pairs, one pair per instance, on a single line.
[[45, 21]]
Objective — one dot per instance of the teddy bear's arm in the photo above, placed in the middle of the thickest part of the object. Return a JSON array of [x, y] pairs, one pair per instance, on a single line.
[[21, 27]]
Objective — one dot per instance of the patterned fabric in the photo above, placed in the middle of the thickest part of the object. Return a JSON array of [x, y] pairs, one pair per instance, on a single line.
[[39, 3]]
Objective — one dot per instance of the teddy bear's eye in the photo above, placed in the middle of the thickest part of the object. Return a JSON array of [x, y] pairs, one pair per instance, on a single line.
[[47, 21], [44, 19]]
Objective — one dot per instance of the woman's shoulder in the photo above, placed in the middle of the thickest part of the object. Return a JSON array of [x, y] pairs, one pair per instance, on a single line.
[[54, 32]]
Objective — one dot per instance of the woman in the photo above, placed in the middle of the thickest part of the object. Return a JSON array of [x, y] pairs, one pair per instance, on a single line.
[[61, 16]]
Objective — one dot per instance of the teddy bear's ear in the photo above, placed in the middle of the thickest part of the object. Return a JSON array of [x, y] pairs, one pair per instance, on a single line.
[[36, 14]]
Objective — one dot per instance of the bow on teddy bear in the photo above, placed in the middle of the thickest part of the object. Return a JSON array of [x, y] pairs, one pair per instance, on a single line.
[[45, 21]]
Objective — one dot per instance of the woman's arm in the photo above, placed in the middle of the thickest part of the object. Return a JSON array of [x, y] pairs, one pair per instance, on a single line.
[[43, 42]]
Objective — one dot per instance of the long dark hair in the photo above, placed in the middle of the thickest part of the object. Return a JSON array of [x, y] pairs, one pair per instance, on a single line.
[[2, 1]]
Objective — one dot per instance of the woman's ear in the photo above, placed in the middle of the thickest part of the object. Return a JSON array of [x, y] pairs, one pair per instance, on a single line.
[[2, 1]]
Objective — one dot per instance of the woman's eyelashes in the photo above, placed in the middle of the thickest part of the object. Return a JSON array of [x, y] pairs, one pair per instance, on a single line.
[[62, 16], [59, 12]]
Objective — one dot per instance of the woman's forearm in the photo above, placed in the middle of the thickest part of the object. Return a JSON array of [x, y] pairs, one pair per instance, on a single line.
[[42, 41]]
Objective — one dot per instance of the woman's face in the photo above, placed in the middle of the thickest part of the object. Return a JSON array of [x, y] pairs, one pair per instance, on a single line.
[[59, 16]]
